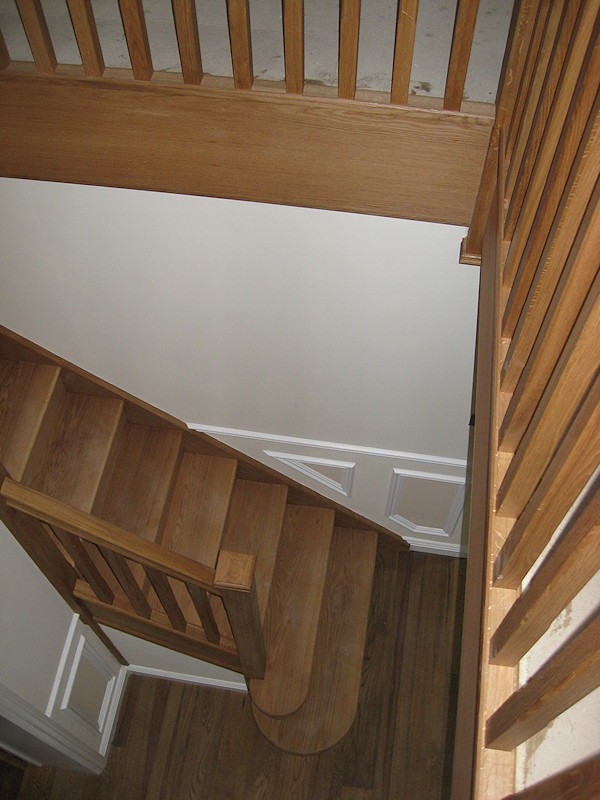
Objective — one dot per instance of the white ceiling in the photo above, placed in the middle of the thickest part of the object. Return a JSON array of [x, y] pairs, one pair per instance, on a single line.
[[353, 332]]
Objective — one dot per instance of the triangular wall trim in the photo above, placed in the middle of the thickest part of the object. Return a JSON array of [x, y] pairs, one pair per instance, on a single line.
[[334, 474]]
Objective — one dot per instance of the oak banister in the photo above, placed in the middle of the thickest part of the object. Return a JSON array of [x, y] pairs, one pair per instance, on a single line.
[[580, 782], [104, 534], [570, 564], [85, 564], [572, 465], [348, 48], [406, 26], [238, 17], [162, 587], [293, 45], [570, 674], [517, 125], [124, 575], [38, 35], [234, 577], [188, 41], [462, 40], [205, 613], [136, 35], [86, 34]]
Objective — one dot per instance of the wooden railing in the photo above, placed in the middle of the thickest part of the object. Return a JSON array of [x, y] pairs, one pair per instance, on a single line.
[[147, 588], [185, 24], [536, 493]]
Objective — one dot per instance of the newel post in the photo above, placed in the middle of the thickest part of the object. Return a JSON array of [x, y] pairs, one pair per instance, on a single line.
[[234, 577]]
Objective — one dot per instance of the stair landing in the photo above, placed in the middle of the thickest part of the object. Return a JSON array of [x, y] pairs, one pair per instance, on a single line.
[[332, 699]]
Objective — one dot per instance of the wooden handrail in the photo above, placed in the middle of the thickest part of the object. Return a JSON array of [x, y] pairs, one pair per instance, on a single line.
[[104, 534], [235, 579]]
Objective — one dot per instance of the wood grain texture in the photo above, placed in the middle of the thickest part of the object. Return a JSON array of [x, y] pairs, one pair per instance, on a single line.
[[515, 56], [562, 396], [70, 454], [293, 45], [406, 26], [575, 783], [173, 740], [106, 535], [254, 526], [85, 564], [188, 41], [158, 629], [568, 188], [198, 507], [460, 53], [293, 609], [205, 612], [136, 35], [162, 587], [234, 578], [573, 286], [312, 152], [25, 392], [534, 171], [330, 706], [572, 465], [135, 493], [123, 572], [570, 674], [38, 35], [238, 17], [348, 48], [86, 33], [570, 564]]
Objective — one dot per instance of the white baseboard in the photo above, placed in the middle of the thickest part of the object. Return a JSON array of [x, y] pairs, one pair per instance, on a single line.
[[178, 676]]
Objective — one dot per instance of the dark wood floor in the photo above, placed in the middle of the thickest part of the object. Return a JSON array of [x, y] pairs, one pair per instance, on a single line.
[[181, 742]]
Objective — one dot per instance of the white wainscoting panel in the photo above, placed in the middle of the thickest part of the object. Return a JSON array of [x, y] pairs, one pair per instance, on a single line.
[[417, 496]]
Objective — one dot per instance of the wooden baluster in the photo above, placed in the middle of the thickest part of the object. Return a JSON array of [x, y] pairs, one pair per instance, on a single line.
[[4, 56], [186, 27], [406, 26], [205, 612], [462, 39], [238, 15], [293, 45], [38, 35], [165, 594], [85, 564], [86, 33], [134, 24], [124, 575], [234, 577], [348, 61]]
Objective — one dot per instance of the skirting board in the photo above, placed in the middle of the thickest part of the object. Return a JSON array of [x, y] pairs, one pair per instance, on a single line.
[[135, 669]]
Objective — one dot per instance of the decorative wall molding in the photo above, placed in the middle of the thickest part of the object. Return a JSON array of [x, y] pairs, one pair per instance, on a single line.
[[135, 669], [47, 731], [309, 466], [394, 504], [86, 690], [443, 548], [215, 430]]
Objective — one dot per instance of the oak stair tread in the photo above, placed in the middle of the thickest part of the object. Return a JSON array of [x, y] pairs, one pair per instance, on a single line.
[[25, 392], [254, 526], [330, 707], [293, 608], [70, 453], [137, 484]]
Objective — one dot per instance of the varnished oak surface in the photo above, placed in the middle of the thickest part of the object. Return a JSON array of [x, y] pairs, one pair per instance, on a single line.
[[330, 706], [293, 609], [347, 156], [177, 741]]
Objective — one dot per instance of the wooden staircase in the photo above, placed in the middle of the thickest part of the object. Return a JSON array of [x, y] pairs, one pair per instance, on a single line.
[[169, 535]]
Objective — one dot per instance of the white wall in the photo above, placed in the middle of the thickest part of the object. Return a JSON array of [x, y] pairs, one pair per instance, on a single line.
[[347, 329]]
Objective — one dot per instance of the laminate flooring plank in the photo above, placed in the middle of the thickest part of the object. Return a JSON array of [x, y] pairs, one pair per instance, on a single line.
[[364, 746], [297, 777], [417, 764], [240, 744]]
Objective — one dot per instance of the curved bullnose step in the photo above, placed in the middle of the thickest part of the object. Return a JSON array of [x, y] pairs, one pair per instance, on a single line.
[[293, 608], [330, 707]]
